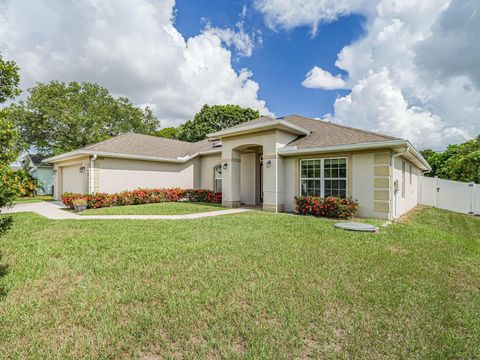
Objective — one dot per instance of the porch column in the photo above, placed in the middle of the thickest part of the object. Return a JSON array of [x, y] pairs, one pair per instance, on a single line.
[[230, 178], [273, 183], [57, 182]]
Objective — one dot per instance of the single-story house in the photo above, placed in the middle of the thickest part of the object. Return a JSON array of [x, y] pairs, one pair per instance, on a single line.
[[41, 171], [264, 162]]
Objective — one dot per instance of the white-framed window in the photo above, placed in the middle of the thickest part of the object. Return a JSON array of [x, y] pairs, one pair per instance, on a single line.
[[217, 178], [323, 177]]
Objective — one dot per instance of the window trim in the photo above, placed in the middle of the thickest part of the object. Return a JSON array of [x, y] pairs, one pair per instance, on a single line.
[[404, 169], [322, 174], [215, 178]]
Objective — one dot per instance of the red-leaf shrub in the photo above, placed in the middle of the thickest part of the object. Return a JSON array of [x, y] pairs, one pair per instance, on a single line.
[[331, 206], [203, 195], [143, 196]]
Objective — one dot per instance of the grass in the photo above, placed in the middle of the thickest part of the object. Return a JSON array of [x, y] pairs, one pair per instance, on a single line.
[[33, 199], [167, 208], [252, 285]]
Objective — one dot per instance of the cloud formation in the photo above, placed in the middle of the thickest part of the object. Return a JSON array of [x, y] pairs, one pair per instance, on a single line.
[[414, 74], [133, 48], [317, 78]]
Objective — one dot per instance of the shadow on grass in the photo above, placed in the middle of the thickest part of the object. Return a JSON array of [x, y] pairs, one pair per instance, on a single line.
[[3, 272], [5, 224]]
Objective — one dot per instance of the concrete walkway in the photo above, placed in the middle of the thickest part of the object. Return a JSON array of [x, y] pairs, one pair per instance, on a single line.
[[57, 211]]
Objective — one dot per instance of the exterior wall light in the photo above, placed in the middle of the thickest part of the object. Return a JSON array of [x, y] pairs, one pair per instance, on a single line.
[[268, 163], [82, 169], [225, 166]]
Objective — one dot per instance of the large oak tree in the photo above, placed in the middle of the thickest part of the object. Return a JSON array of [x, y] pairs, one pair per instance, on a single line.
[[57, 117], [214, 118]]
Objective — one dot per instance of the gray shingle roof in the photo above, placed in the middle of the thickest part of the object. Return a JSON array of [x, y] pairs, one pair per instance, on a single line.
[[322, 134], [146, 145]]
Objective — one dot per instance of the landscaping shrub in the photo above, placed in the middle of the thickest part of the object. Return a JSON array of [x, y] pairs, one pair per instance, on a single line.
[[143, 196], [202, 195], [331, 206]]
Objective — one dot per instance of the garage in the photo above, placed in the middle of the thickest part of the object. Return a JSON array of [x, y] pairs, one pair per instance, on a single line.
[[72, 179]]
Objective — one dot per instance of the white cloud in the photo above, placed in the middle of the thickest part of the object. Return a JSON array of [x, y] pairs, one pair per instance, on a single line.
[[289, 14], [414, 74], [133, 48], [317, 78], [244, 43]]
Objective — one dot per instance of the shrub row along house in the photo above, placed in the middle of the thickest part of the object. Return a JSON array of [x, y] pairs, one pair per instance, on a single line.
[[264, 162]]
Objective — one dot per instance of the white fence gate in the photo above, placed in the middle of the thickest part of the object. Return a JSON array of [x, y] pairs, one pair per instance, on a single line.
[[450, 195]]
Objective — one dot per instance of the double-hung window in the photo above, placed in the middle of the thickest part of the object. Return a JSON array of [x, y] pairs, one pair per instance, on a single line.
[[323, 177], [217, 178]]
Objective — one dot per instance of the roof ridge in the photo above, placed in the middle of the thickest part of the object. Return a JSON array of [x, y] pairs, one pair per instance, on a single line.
[[344, 126]]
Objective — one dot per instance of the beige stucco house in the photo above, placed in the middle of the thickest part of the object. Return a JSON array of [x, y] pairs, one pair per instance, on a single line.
[[264, 162]]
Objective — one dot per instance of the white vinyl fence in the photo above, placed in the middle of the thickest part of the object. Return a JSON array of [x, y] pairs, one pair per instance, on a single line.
[[450, 195]]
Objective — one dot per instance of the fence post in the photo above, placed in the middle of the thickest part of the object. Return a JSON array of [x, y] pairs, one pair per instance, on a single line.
[[473, 205], [437, 190]]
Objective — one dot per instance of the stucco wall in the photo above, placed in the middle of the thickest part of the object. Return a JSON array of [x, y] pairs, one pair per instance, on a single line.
[[403, 204], [371, 184], [116, 175], [207, 167], [273, 184], [73, 170], [248, 174], [368, 179], [290, 166]]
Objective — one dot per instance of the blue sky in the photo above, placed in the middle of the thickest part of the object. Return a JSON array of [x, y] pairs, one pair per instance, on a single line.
[[280, 63], [399, 69]]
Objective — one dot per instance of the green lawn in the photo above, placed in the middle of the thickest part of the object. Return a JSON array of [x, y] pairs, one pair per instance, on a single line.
[[253, 285], [168, 208], [33, 199]]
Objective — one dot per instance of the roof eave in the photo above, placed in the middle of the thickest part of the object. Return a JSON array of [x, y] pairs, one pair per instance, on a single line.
[[276, 124], [291, 151], [78, 153]]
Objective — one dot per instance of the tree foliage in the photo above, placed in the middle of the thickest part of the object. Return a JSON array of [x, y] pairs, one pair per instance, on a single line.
[[458, 162], [9, 80], [168, 132], [9, 151], [10, 142], [214, 118], [59, 117]]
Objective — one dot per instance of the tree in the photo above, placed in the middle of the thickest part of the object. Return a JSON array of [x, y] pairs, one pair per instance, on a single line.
[[59, 117], [168, 132], [9, 80], [458, 162], [10, 143], [214, 118]]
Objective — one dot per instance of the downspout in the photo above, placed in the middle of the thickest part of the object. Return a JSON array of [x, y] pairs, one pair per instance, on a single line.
[[395, 192], [92, 177]]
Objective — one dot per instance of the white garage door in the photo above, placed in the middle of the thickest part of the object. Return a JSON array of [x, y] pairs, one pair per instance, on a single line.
[[72, 179]]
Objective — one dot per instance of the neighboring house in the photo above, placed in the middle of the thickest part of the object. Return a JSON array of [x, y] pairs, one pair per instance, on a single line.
[[263, 162], [43, 172]]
